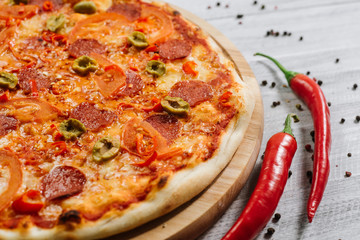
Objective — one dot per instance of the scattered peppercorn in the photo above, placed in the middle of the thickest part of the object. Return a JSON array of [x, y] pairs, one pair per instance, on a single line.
[[262, 7], [357, 118], [295, 117], [308, 148], [290, 173], [263, 83], [347, 174], [273, 84], [268, 33], [329, 104], [277, 216], [270, 231], [227, 6], [355, 86], [308, 73], [342, 120], [299, 107], [262, 156], [239, 16], [285, 33], [337, 60], [240, 22], [301, 38], [309, 174], [255, 2], [319, 82], [277, 34], [349, 154], [209, 7], [310, 180], [312, 133], [218, 4], [312, 157]]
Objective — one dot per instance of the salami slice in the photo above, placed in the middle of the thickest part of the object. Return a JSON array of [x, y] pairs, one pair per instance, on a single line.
[[174, 49], [167, 125], [7, 124], [134, 84], [92, 117], [86, 46], [192, 91], [130, 11], [63, 181], [27, 74]]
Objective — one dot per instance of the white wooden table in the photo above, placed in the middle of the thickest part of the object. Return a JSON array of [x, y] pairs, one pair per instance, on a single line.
[[330, 29]]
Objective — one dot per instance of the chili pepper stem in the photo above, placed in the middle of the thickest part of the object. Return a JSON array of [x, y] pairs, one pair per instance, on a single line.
[[288, 74], [287, 128]]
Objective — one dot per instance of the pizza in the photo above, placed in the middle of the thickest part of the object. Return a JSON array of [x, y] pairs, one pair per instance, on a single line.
[[112, 113]]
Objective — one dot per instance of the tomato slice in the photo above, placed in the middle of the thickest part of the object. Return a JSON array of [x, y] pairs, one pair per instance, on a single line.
[[81, 27], [29, 203], [30, 110], [130, 138], [18, 11], [9, 159], [189, 68], [156, 24], [114, 78]]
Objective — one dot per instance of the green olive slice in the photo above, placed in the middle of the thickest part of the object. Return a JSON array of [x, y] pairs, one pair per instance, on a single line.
[[71, 128], [56, 23], [17, 2], [105, 149], [84, 64], [85, 7], [156, 68], [175, 105], [138, 39], [8, 80]]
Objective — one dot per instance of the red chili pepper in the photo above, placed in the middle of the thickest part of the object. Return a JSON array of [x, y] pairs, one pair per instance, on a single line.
[[147, 161], [33, 86], [29, 203], [59, 148], [48, 6], [279, 153], [311, 93]]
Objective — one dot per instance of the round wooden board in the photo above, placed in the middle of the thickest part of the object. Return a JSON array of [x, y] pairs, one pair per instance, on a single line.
[[194, 217]]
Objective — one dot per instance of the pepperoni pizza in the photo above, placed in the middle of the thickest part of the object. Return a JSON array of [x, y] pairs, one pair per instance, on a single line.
[[112, 113]]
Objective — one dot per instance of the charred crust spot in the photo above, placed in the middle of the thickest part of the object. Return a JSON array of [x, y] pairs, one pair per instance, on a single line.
[[176, 13], [162, 182], [71, 216]]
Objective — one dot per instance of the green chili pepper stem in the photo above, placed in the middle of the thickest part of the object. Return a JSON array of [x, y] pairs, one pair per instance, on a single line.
[[287, 128], [288, 74]]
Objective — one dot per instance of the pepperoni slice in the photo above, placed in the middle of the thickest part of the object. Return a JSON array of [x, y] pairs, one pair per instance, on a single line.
[[130, 11], [174, 49], [192, 91], [167, 125], [134, 84], [62, 181], [92, 117], [27, 74], [7, 124], [86, 46]]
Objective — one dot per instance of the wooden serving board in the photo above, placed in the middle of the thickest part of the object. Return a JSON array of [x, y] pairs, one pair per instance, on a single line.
[[194, 217]]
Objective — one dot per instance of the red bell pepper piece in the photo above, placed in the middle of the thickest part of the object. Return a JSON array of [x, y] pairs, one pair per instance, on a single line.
[[29, 203]]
